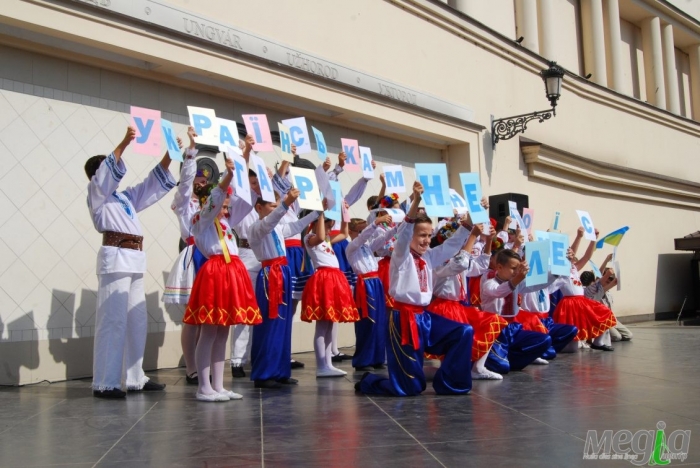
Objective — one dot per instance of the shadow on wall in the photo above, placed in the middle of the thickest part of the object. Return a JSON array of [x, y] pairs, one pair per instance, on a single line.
[[487, 144], [73, 346], [673, 283], [73, 350], [21, 346]]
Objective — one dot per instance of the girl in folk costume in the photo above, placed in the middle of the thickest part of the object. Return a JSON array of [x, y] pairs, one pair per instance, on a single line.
[[222, 294], [370, 330], [179, 284], [352, 197], [384, 252], [272, 340], [327, 298], [413, 330], [120, 318], [592, 318], [451, 293]]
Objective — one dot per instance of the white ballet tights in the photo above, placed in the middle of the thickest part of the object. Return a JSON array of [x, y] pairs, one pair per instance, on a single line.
[[209, 357], [603, 340], [479, 366], [188, 340], [334, 341], [323, 344]]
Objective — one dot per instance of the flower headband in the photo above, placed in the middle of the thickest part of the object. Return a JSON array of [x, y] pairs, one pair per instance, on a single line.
[[389, 200], [446, 232], [203, 173]]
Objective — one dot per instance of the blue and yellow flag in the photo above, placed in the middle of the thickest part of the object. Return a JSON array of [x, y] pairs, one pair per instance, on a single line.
[[613, 238]]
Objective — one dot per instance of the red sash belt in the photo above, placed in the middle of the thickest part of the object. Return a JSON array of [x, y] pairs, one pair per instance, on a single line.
[[292, 243], [190, 240], [361, 292], [275, 284], [409, 327]]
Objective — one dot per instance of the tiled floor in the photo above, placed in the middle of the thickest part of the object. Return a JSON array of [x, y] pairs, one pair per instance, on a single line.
[[538, 417]]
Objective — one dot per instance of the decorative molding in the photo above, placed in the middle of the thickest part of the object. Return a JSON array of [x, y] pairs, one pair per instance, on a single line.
[[563, 168]]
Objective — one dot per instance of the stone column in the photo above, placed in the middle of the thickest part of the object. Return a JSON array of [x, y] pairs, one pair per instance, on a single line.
[[653, 62], [694, 55], [546, 20], [615, 42], [526, 24], [594, 40], [673, 101]]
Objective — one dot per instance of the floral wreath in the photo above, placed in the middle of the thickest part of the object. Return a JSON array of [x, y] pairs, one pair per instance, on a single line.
[[496, 244], [446, 231], [389, 200], [203, 173]]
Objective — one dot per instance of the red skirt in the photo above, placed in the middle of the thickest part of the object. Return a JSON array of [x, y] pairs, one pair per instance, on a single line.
[[531, 321], [590, 317], [384, 278], [487, 325], [327, 296], [222, 295]]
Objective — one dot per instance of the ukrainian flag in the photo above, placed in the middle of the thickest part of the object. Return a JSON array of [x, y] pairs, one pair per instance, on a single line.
[[613, 238]]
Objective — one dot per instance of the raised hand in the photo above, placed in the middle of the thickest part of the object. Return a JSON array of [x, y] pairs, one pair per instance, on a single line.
[[291, 196], [192, 135], [342, 157]]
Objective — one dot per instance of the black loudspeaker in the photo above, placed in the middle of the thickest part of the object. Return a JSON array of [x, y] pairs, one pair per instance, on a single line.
[[498, 205]]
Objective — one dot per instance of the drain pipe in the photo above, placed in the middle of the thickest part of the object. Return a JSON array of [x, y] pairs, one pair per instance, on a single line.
[[678, 320]]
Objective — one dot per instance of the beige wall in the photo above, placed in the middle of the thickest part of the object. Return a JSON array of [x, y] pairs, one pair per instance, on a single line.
[[64, 102]]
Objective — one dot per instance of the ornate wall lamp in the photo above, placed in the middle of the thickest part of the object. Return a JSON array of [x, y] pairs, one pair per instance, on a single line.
[[506, 128]]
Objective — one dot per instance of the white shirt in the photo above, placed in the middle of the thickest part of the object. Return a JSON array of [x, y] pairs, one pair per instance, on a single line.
[[406, 285], [204, 230], [116, 211], [451, 279], [183, 205], [260, 235], [386, 248], [572, 286], [359, 251], [494, 292], [321, 255], [536, 302]]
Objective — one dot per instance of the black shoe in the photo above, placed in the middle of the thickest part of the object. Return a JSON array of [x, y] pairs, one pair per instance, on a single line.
[[288, 381], [109, 394], [624, 338], [267, 384], [358, 385], [237, 372], [340, 357], [297, 365], [363, 368], [602, 347], [192, 379], [379, 366], [152, 386]]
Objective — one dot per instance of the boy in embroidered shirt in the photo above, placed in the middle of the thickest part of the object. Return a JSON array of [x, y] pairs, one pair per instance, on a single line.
[[370, 330], [121, 320], [272, 340], [412, 330], [499, 294]]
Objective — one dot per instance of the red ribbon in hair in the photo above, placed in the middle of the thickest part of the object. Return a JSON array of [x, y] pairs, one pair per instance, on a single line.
[[409, 327], [275, 284]]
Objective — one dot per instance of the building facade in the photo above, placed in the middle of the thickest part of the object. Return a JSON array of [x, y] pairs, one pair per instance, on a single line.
[[415, 80]]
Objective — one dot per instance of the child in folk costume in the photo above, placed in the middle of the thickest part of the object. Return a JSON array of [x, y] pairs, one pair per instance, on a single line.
[[352, 197], [222, 294], [179, 283], [592, 318], [451, 296], [121, 320], [327, 298], [412, 329], [516, 348], [384, 252], [241, 342], [272, 340], [370, 330]]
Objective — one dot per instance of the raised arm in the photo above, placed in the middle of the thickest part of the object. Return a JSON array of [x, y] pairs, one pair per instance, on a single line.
[[109, 173], [608, 259], [155, 186], [577, 240], [343, 234], [362, 238], [581, 264], [319, 232], [382, 191], [183, 193]]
